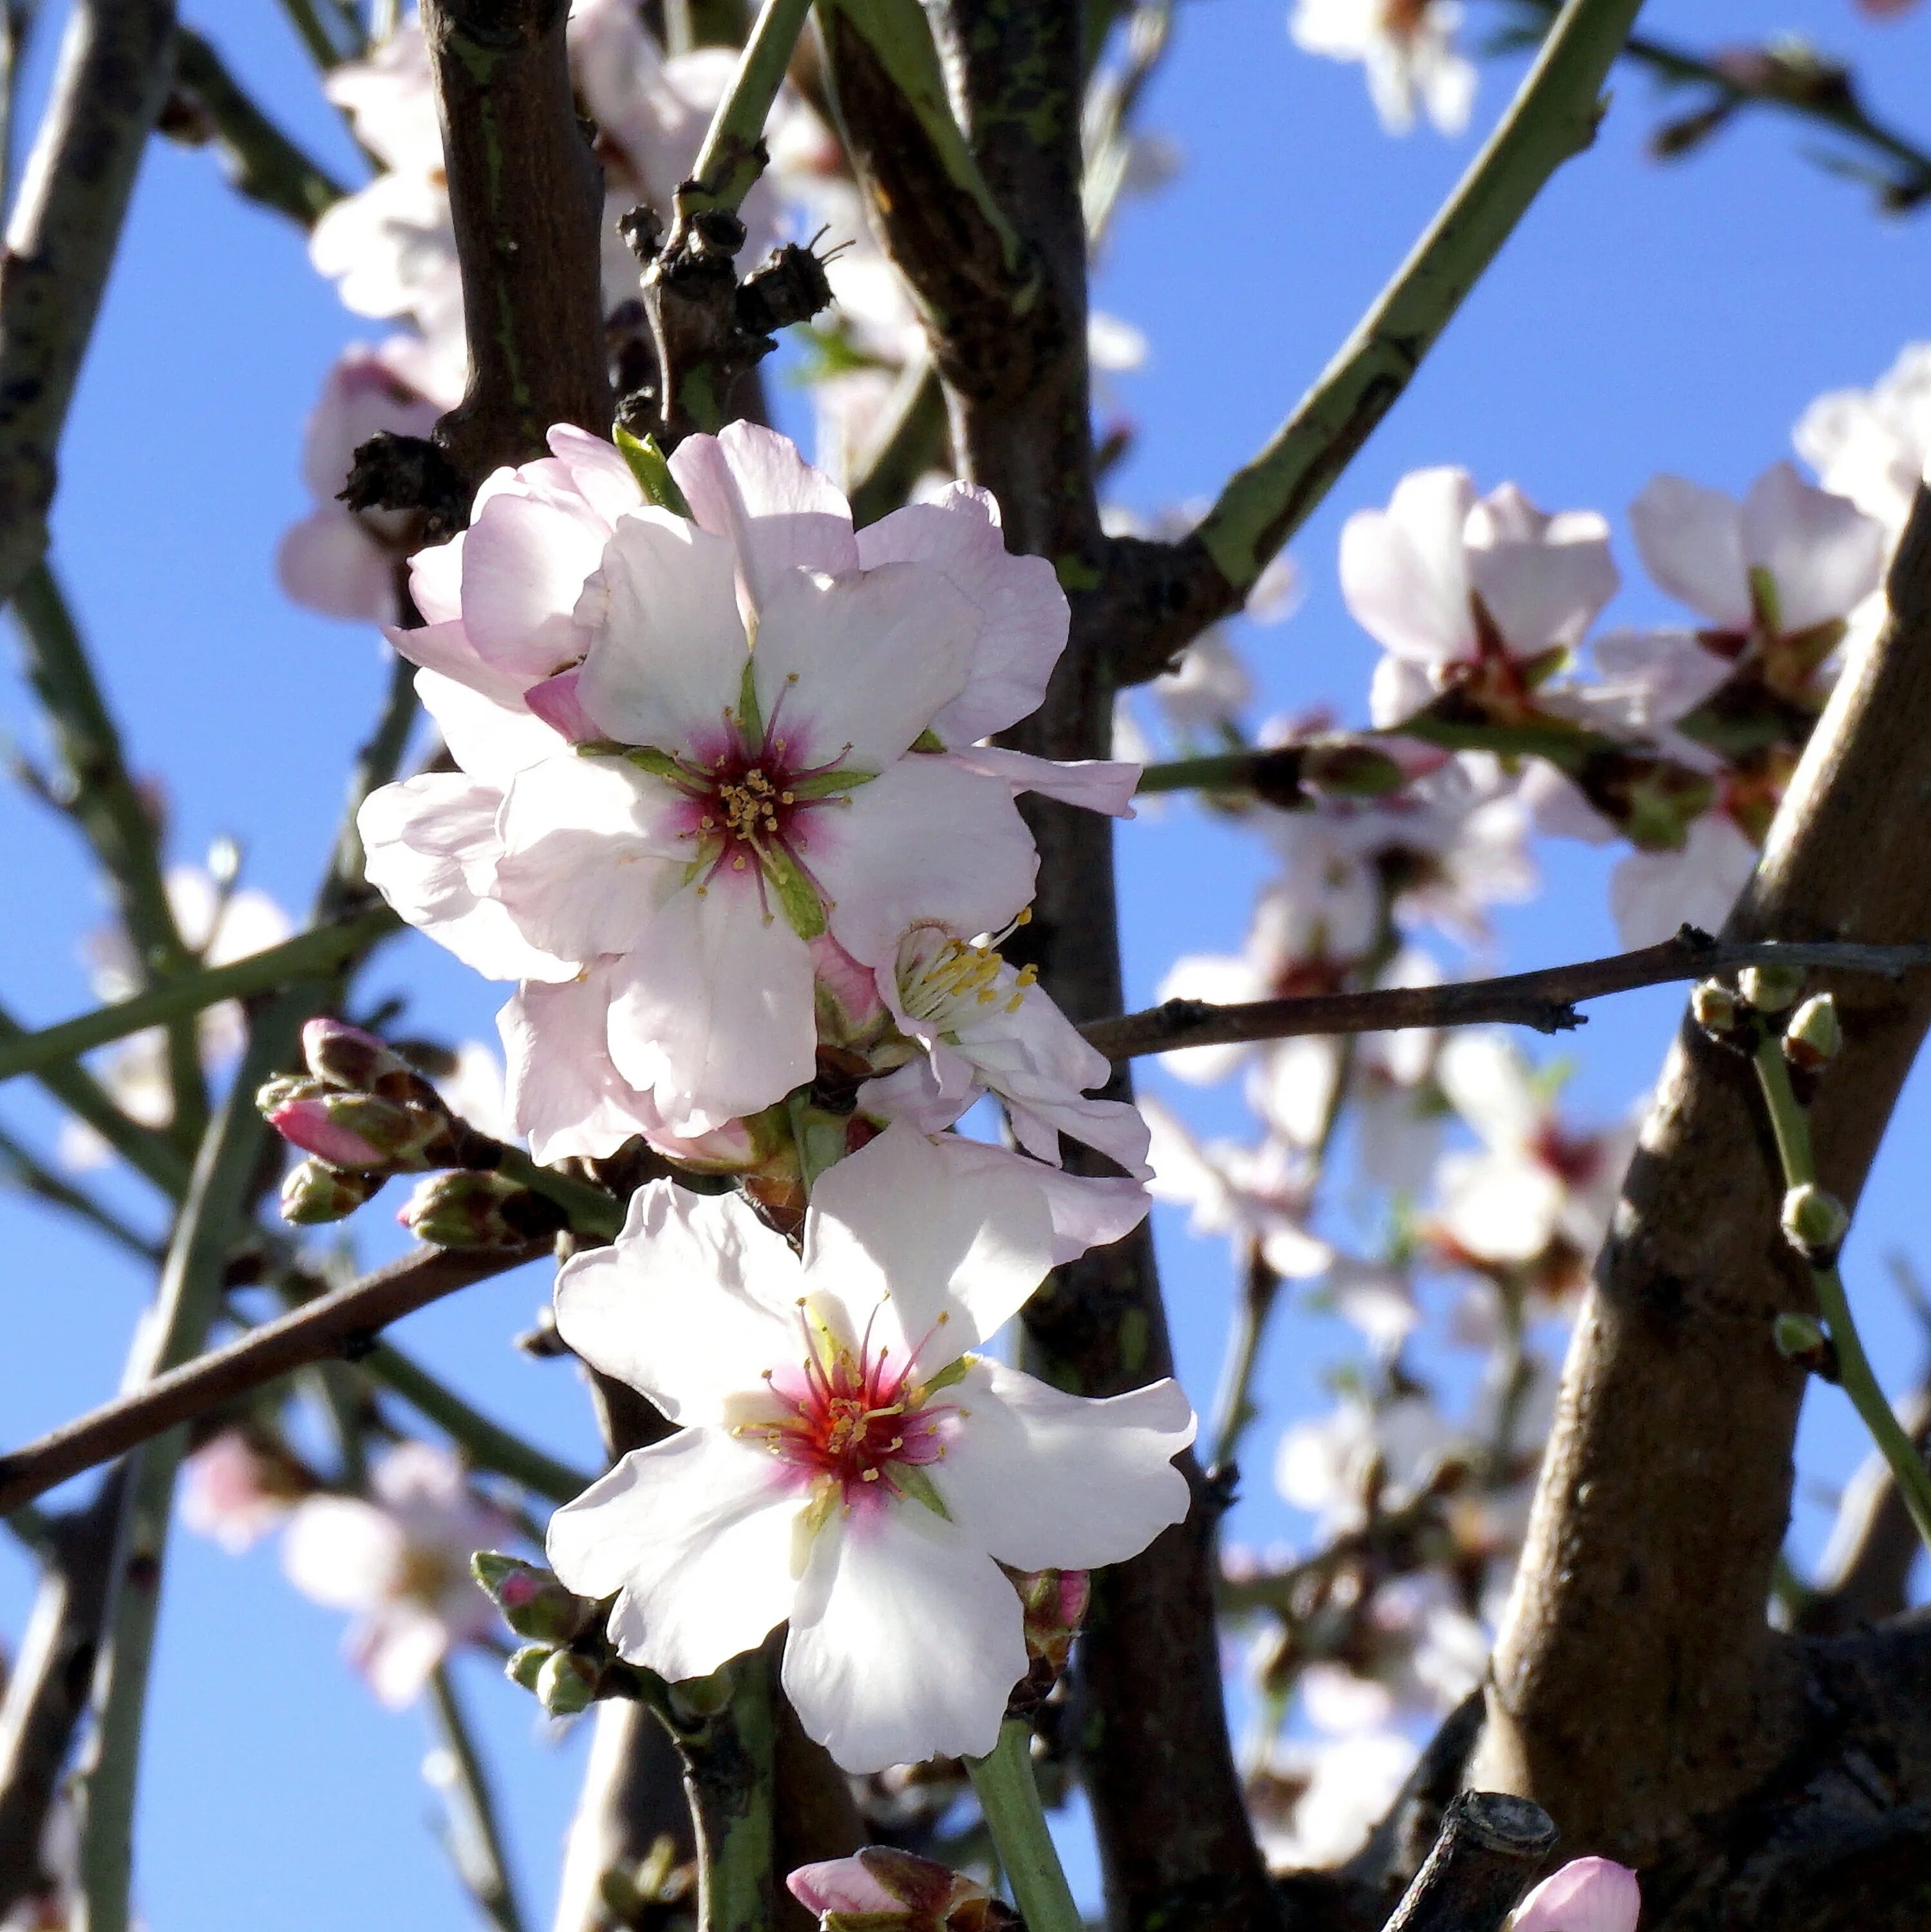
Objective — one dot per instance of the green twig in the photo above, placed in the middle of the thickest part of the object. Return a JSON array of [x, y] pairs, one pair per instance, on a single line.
[[591, 1210], [476, 1839], [486, 1444], [316, 37], [1552, 118], [344, 887], [724, 1732], [1010, 1801], [188, 1300], [21, 1169], [1791, 1129], [323, 948], [733, 155]]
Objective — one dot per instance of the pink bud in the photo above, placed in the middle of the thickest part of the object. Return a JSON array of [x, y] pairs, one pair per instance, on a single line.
[[307, 1124], [1586, 1895], [555, 702], [840, 1885], [882, 1883]]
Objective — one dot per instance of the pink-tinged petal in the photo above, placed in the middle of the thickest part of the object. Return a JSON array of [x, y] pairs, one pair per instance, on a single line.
[[668, 659], [913, 1093], [597, 471], [1543, 578], [1404, 572], [1585, 1895], [490, 740], [905, 1641], [591, 851], [1560, 810], [631, 1309], [342, 1552], [696, 1535], [750, 485], [1659, 675], [850, 670], [423, 841], [562, 1090], [841, 1885], [925, 841], [1653, 893], [957, 1254], [715, 1016], [330, 562], [525, 559], [436, 581], [1822, 552], [1397, 689], [1043, 1480], [306, 1124], [1692, 543], [395, 1648], [555, 700], [366, 392], [1099, 784], [445, 651], [1024, 614], [1113, 1127]]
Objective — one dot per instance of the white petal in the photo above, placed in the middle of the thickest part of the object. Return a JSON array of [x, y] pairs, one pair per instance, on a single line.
[[1085, 1213], [715, 1016], [491, 734], [342, 1552], [1824, 554], [395, 1649], [329, 562], [1022, 611], [1046, 1481], [525, 559], [905, 1641], [1499, 1208], [561, 1089], [1489, 1083], [1096, 784], [696, 1533], [850, 670], [1692, 541], [962, 1250], [1404, 571], [695, 1300], [1653, 893], [669, 655], [925, 841], [1543, 578]]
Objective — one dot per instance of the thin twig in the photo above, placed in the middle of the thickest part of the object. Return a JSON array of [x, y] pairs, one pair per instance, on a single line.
[[21, 1169], [60, 243], [1545, 999], [333, 1326], [323, 949], [733, 155], [476, 1839], [345, 887]]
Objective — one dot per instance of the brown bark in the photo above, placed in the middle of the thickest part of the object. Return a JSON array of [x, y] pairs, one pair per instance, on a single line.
[[526, 196], [1637, 1687]]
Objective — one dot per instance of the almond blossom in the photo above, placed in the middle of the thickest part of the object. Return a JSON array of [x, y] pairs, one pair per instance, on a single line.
[[1872, 444], [1485, 597], [400, 1560], [1407, 48], [847, 1459]]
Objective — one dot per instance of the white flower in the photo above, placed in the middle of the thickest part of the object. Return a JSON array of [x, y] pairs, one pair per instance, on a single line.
[[845, 1461], [1488, 593], [1872, 444], [1407, 48], [986, 1028], [233, 1493], [1324, 1463], [1203, 697], [401, 1559], [1321, 1797], [1653, 893]]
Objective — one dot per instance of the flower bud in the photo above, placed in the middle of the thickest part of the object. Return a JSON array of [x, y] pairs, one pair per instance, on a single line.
[[347, 1056], [566, 1683], [466, 1209], [526, 1664], [881, 1889], [533, 1603], [1771, 988], [1802, 1340], [1814, 1223], [350, 1129], [315, 1192], [1716, 1008], [1814, 1034]]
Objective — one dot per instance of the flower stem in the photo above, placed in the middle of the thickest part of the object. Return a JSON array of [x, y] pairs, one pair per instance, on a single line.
[[732, 157], [727, 1747], [476, 1839], [591, 1210], [1792, 1131], [1010, 1801]]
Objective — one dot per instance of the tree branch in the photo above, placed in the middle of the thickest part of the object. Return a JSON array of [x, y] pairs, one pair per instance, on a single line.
[[66, 225], [526, 194], [333, 1326], [1545, 999], [1636, 1686], [1176, 590], [1490, 1846]]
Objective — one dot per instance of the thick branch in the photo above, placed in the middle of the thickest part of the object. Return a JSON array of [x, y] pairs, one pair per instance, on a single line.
[[333, 1326], [60, 244], [1491, 1845], [1170, 593], [1636, 1683], [1545, 1000], [526, 196]]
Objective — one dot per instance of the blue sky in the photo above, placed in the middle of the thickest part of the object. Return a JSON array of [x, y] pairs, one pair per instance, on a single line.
[[1645, 318]]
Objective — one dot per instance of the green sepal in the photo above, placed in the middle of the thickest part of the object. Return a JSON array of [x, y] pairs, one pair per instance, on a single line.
[[750, 713], [928, 740], [1764, 600], [912, 1481], [652, 469], [804, 910], [952, 1372], [829, 784]]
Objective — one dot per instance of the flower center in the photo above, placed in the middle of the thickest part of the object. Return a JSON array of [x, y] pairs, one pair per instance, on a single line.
[[944, 980]]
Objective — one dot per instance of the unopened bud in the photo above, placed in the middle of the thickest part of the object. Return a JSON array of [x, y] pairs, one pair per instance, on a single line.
[[1771, 988], [347, 1056], [882, 1889], [1814, 1034], [466, 1209], [350, 1129], [533, 1603], [526, 1664], [1053, 1604], [1715, 1007], [1814, 1223], [1802, 1339], [315, 1192], [566, 1683]]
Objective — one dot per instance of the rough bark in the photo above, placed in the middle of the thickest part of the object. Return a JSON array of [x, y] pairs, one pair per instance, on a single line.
[[1638, 1690]]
